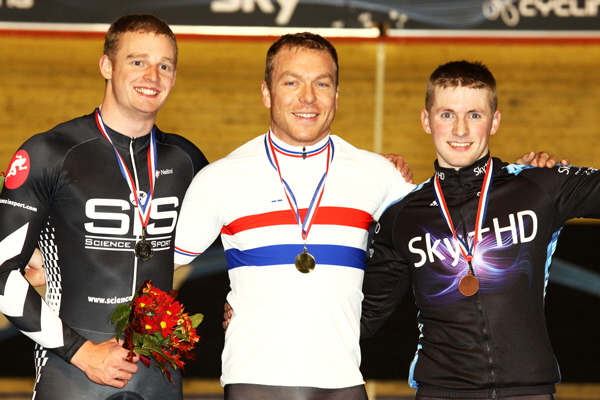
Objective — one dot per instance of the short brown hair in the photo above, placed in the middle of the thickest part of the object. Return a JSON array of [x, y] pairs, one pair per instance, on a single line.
[[304, 40], [473, 75], [144, 23]]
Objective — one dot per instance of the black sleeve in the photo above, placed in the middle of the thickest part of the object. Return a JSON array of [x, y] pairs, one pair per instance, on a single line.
[[24, 205], [387, 277], [574, 191]]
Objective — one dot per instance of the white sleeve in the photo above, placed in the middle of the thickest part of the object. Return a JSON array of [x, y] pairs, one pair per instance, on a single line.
[[200, 220], [394, 187]]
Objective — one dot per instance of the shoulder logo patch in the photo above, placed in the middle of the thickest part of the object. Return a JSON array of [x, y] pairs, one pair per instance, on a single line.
[[18, 170]]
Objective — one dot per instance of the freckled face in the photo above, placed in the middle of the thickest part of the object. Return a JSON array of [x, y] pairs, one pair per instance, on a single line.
[[140, 75], [303, 95], [460, 122]]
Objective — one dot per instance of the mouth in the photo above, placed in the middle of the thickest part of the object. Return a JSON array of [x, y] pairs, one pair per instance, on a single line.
[[460, 145], [146, 91], [306, 115]]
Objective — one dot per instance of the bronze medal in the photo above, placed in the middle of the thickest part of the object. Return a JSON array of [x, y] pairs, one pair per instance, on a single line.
[[143, 250], [468, 285], [305, 262]]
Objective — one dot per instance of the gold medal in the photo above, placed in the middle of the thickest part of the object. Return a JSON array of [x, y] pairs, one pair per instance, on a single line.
[[143, 248], [468, 285], [305, 262]]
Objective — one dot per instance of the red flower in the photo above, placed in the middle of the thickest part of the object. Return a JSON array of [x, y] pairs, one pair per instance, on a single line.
[[166, 323], [155, 325]]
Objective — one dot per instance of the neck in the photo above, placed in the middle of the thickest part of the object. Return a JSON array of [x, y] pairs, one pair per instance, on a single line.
[[290, 143], [474, 170], [125, 123], [445, 165]]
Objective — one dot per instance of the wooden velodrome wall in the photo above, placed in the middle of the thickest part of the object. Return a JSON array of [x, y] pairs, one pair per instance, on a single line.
[[549, 92]]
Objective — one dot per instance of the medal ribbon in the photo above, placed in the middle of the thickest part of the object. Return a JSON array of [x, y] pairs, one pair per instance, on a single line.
[[305, 225], [142, 207], [467, 251]]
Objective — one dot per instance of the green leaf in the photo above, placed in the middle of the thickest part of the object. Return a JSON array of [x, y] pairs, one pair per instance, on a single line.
[[196, 319], [122, 311], [179, 335], [120, 328], [142, 351], [137, 337], [153, 346]]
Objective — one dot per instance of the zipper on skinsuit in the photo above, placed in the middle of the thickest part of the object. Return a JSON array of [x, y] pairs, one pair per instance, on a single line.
[[484, 331], [137, 185]]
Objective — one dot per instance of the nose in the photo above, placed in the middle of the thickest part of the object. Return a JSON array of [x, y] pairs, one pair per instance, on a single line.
[[461, 128], [152, 73], [307, 94]]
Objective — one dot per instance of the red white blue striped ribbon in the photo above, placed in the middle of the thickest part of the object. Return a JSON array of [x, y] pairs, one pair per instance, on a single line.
[[144, 206], [317, 196], [486, 187]]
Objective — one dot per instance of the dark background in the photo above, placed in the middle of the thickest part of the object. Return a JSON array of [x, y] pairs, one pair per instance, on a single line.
[[398, 14], [572, 317]]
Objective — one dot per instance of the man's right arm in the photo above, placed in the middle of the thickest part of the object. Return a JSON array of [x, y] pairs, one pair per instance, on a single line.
[[24, 207], [200, 217], [106, 363], [34, 271]]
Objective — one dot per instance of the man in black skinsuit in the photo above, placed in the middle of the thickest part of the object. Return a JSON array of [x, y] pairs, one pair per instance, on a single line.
[[476, 242], [105, 190]]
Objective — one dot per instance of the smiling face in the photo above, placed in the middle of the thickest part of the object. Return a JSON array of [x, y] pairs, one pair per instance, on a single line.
[[460, 121], [139, 76], [302, 95]]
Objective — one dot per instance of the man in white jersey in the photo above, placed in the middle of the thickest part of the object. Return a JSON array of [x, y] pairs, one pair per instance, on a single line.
[[293, 207]]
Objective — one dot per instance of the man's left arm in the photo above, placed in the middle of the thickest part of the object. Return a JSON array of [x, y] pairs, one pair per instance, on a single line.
[[387, 277]]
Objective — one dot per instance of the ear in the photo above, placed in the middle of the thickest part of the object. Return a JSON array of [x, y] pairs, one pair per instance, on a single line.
[[174, 78], [425, 121], [105, 67], [337, 91], [496, 122], [266, 94]]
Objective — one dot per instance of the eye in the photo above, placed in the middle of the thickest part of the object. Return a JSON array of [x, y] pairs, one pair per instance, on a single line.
[[165, 67], [475, 116], [137, 63], [446, 115]]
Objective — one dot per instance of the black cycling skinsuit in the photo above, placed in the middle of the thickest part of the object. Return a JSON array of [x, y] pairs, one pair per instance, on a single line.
[[66, 184], [493, 344]]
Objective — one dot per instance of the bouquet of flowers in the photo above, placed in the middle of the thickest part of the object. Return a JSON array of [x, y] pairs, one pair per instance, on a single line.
[[155, 326]]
